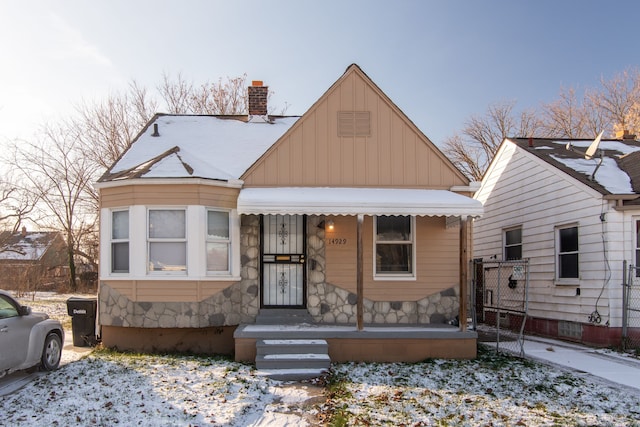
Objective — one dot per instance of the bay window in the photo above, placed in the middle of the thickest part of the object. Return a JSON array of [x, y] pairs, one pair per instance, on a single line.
[[120, 241], [218, 241], [167, 240]]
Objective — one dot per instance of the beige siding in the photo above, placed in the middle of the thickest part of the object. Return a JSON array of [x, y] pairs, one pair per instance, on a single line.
[[174, 194], [437, 259], [168, 290], [396, 154]]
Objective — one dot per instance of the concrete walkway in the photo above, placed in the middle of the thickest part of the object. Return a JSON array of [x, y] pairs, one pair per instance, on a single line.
[[603, 364]]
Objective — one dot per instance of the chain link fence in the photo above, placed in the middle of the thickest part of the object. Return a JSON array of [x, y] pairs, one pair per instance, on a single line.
[[631, 314], [500, 298]]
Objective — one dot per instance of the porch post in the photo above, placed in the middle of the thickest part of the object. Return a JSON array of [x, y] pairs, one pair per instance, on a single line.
[[359, 280], [464, 263]]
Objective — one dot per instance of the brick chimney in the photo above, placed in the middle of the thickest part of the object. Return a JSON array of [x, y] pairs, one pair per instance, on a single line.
[[258, 98], [625, 135]]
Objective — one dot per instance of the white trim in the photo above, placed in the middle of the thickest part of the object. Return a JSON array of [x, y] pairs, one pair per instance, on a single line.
[[354, 201], [556, 252], [231, 183], [409, 276]]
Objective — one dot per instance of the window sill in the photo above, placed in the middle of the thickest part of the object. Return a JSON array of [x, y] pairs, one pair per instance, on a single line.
[[395, 278], [173, 277], [567, 282]]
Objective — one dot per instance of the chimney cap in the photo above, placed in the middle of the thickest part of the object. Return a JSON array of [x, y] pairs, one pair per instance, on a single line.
[[257, 83]]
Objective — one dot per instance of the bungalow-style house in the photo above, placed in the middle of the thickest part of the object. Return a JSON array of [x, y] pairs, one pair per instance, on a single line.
[[572, 208], [31, 260], [347, 221]]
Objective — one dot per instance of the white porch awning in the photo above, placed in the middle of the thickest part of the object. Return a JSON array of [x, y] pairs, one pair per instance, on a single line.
[[354, 201]]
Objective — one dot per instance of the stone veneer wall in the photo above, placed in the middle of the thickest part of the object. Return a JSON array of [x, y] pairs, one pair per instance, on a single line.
[[237, 304], [330, 304], [240, 302]]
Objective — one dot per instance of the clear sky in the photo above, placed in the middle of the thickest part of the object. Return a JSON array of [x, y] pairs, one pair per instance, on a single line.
[[440, 61]]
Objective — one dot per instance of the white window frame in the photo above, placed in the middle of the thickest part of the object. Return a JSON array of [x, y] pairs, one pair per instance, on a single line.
[[113, 241], [228, 241], [566, 280], [412, 275], [504, 241], [636, 230], [184, 240]]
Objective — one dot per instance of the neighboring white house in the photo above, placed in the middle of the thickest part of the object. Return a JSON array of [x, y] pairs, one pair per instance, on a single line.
[[574, 211]]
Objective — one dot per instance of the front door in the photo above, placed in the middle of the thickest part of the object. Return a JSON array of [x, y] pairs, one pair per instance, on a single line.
[[283, 255]]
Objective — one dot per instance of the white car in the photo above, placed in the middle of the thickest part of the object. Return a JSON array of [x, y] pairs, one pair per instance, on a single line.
[[27, 339]]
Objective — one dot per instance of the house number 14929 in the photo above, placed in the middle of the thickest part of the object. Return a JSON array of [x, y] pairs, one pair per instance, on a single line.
[[337, 241]]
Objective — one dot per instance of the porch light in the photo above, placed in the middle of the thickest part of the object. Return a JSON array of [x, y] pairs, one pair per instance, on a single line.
[[330, 225]]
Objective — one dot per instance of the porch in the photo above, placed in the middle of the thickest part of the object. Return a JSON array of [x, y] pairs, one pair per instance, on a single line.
[[373, 343]]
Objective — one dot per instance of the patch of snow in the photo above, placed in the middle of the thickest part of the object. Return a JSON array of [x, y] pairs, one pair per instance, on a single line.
[[214, 148], [609, 175]]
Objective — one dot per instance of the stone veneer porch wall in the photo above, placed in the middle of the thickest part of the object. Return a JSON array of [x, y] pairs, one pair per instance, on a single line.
[[240, 302], [330, 304]]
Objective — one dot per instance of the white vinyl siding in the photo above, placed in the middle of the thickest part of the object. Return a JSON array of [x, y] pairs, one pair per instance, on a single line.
[[520, 189]]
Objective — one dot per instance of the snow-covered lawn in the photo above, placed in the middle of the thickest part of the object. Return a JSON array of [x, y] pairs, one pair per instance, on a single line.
[[107, 388]]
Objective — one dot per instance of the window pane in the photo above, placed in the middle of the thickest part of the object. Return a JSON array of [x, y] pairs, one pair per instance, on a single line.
[[393, 228], [217, 225], [513, 237], [568, 265], [167, 256], [120, 226], [167, 224], [569, 239], [513, 252], [120, 257], [217, 257], [393, 258]]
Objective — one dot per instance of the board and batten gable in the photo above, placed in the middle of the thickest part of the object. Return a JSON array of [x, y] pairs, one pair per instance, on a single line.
[[521, 190], [390, 152]]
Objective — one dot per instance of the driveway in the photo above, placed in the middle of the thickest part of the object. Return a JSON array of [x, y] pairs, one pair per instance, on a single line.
[[17, 380]]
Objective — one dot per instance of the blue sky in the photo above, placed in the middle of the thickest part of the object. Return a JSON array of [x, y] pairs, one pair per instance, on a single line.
[[439, 61]]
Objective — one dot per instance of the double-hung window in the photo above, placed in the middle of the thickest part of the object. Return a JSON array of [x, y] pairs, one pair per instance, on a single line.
[[513, 244], [567, 252], [120, 241], [394, 246], [218, 241], [167, 240]]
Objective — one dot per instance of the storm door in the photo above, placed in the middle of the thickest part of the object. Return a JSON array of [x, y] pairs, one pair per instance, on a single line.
[[283, 254]]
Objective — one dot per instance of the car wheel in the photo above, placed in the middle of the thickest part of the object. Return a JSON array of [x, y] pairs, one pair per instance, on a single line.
[[51, 352]]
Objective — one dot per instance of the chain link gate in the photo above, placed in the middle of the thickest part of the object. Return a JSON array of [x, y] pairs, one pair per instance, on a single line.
[[631, 313], [500, 292]]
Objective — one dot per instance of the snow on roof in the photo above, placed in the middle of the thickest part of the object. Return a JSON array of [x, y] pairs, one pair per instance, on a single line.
[[26, 248], [198, 146], [613, 176], [352, 201]]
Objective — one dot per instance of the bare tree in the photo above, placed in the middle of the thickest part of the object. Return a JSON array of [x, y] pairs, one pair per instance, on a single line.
[[60, 175], [107, 128], [619, 100], [472, 151]]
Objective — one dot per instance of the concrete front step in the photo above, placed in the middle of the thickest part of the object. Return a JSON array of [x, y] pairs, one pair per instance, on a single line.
[[292, 374], [283, 316], [292, 359], [285, 346]]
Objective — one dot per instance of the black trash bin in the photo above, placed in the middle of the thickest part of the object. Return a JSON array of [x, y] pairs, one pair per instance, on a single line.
[[83, 320]]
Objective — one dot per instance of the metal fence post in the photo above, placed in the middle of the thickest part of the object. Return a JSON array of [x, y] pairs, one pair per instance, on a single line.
[[625, 303]]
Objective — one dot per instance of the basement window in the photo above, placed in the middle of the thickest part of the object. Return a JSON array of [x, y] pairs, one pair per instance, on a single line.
[[354, 123]]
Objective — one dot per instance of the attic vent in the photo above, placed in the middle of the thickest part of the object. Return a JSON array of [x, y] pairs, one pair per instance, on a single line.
[[354, 123]]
